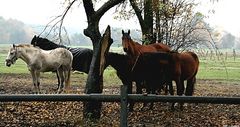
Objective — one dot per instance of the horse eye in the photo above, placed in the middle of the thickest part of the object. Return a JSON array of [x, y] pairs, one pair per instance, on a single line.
[[12, 53]]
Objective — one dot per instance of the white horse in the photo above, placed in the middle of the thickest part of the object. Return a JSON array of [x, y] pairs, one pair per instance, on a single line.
[[39, 60]]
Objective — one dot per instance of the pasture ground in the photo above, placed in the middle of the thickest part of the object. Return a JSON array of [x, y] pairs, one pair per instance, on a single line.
[[70, 113]]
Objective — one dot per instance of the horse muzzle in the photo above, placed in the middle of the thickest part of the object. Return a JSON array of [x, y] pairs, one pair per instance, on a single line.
[[8, 62], [125, 49]]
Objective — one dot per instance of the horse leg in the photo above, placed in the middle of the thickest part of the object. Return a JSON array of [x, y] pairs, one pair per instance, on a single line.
[[145, 94], [166, 89], [61, 75], [154, 88], [58, 81], [190, 86], [169, 86], [67, 74], [34, 79], [149, 90], [139, 87], [129, 89], [180, 91], [38, 82]]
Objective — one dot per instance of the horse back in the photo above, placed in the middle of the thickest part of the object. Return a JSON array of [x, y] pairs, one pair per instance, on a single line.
[[62, 56], [153, 48], [161, 47]]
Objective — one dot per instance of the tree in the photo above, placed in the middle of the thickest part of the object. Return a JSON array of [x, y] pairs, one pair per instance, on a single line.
[[145, 18], [94, 82], [169, 21], [14, 31], [178, 25], [228, 41]]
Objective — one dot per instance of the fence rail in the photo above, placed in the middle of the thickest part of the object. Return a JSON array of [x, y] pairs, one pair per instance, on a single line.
[[117, 98]]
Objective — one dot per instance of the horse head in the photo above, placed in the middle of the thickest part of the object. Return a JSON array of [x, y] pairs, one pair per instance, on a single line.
[[126, 40], [34, 41], [12, 56], [43, 43]]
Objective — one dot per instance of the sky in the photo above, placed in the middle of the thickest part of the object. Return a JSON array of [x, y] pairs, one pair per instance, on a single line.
[[226, 14], [42, 11]]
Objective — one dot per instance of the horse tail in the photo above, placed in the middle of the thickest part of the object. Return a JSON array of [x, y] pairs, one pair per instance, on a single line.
[[197, 62], [191, 83], [195, 57]]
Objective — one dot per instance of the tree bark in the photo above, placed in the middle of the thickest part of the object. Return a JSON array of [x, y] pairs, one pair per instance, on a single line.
[[94, 82], [145, 22]]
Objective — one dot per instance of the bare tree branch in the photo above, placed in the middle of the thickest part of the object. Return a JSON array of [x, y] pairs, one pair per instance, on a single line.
[[57, 22]]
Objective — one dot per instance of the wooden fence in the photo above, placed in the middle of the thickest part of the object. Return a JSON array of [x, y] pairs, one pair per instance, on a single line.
[[123, 98]]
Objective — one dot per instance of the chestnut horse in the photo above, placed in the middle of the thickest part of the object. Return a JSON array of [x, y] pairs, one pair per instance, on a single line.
[[166, 67], [134, 49]]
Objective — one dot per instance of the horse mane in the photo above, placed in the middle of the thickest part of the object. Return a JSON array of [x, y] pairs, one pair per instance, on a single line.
[[51, 43], [24, 45], [45, 44]]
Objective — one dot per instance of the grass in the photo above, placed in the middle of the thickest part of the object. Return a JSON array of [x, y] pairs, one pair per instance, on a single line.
[[219, 69], [227, 70]]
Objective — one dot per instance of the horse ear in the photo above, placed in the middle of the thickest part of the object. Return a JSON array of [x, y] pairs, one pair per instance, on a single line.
[[122, 32], [128, 32], [14, 45]]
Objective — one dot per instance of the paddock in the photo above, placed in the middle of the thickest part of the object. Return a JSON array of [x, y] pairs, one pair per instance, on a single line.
[[66, 110]]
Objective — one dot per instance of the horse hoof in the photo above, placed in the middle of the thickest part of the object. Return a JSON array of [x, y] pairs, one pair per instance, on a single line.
[[172, 109], [181, 108], [130, 110], [59, 91]]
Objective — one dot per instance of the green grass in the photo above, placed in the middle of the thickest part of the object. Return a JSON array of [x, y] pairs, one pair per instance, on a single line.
[[228, 70], [219, 69], [18, 67]]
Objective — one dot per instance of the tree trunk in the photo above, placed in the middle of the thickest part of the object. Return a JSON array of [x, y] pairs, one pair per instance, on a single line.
[[95, 79], [145, 22], [94, 82], [148, 20]]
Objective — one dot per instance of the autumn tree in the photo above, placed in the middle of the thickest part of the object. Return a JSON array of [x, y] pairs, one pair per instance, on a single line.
[[143, 10], [94, 82], [227, 41], [179, 26], [168, 21]]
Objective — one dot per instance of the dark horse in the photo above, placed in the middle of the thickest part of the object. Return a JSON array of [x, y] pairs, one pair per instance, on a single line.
[[165, 67], [82, 59]]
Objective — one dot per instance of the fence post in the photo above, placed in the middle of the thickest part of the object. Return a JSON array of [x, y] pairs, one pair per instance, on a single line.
[[124, 102]]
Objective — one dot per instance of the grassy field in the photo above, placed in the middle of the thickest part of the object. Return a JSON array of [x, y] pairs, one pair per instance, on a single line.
[[214, 68]]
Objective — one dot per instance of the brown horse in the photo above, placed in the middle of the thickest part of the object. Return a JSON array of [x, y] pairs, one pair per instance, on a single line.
[[166, 67], [134, 49]]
